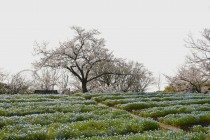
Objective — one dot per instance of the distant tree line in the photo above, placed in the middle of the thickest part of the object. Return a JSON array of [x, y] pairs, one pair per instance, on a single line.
[[194, 75], [84, 64], [81, 64]]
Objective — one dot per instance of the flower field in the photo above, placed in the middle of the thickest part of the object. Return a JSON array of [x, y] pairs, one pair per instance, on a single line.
[[189, 112], [40, 117]]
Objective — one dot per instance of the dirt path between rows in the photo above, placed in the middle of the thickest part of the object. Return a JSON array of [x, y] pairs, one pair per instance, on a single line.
[[162, 125]]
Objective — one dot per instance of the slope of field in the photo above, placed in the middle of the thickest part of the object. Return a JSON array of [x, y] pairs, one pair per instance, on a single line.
[[185, 111], [79, 116]]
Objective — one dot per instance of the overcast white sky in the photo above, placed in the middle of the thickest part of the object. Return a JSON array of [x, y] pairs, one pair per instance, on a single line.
[[148, 31]]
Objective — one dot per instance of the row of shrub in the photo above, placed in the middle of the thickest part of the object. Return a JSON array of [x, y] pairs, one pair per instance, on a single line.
[[155, 135], [156, 112], [79, 129], [59, 117], [144, 96], [187, 120]]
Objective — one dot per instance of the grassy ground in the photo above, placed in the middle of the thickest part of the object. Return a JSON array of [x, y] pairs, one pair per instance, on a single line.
[[80, 117]]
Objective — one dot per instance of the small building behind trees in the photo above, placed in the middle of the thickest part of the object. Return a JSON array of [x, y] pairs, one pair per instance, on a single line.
[[46, 92]]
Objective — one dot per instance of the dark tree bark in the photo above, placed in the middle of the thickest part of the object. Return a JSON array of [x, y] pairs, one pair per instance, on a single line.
[[84, 86]]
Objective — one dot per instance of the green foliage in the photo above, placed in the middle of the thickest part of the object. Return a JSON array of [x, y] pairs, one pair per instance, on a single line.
[[62, 117], [187, 120], [79, 117], [199, 128], [182, 110], [3, 88], [136, 106], [169, 89], [153, 135], [156, 112]]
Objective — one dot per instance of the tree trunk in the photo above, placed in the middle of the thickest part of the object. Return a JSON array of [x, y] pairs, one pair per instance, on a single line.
[[84, 86]]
